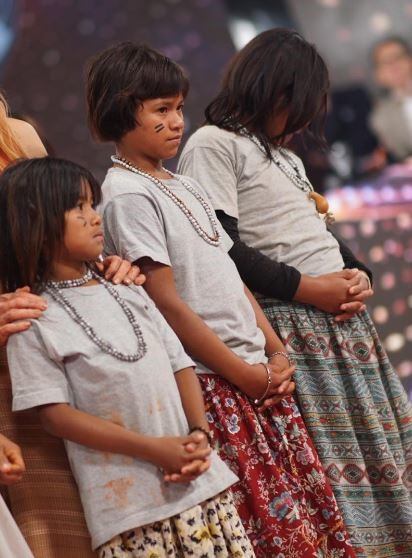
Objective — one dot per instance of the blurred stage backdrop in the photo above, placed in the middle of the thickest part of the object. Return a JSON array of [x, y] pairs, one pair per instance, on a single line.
[[44, 45]]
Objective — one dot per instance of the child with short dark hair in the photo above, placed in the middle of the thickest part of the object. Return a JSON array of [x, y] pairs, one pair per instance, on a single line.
[[166, 223], [108, 375]]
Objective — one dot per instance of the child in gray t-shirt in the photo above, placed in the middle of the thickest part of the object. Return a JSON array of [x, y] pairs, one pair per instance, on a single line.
[[109, 376], [166, 223]]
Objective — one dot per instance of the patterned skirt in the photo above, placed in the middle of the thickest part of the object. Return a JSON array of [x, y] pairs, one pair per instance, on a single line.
[[360, 420], [283, 498], [209, 530]]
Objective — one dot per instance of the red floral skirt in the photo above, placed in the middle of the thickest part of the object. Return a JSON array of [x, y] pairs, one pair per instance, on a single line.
[[283, 498]]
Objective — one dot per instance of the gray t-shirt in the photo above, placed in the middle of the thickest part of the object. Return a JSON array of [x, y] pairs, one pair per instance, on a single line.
[[140, 220], [55, 362], [274, 216]]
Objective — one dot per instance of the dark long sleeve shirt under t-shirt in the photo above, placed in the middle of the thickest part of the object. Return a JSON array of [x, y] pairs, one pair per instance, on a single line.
[[268, 277]]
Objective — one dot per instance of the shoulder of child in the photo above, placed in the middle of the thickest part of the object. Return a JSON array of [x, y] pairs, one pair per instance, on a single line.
[[121, 182], [228, 144], [211, 137]]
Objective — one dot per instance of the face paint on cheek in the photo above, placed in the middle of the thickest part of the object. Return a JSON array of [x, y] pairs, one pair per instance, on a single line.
[[80, 218], [158, 128]]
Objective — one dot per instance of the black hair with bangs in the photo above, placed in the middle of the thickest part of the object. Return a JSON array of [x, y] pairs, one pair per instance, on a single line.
[[120, 78], [276, 72], [34, 197]]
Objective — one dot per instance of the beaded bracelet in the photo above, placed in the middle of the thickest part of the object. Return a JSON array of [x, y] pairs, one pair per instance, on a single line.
[[269, 381], [367, 278], [207, 433], [281, 353]]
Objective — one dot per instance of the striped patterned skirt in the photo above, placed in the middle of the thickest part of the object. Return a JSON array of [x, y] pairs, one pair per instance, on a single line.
[[359, 418]]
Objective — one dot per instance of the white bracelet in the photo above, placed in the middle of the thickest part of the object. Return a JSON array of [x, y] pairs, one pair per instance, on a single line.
[[281, 353], [366, 277], [269, 380]]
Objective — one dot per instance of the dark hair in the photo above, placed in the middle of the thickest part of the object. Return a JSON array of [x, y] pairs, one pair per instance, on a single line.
[[122, 77], [34, 196], [390, 39], [275, 71]]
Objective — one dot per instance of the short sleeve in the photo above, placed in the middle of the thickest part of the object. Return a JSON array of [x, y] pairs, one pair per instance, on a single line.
[[174, 348], [37, 379], [215, 171], [133, 229]]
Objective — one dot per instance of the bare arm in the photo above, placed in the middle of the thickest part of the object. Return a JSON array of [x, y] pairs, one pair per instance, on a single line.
[[28, 138], [192, 398], [273, 343], [193, 406], [170, 453], [197, 338]]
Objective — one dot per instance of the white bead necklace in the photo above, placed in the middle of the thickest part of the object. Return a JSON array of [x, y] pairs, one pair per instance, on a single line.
[[295, 176], [213, 240]]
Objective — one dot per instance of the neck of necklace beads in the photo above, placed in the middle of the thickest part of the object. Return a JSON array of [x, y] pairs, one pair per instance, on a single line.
[[68, 283], [213, 239], [55, 289], [290, 169]]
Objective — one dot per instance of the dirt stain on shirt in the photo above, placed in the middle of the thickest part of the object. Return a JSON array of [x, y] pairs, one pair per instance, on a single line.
[[118, 489]]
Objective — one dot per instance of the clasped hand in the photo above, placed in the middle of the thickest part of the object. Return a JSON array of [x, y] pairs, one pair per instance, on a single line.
[[281, 384], [183, 458], [342, 293]]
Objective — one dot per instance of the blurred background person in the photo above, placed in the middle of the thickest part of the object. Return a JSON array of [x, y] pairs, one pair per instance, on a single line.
[[391, 118]]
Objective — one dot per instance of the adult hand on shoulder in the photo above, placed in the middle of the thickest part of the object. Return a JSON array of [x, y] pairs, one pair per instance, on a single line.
[[118, 271], [11, 462], [16, 311]]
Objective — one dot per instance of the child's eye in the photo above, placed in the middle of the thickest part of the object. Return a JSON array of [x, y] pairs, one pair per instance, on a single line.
[[80, 206], [163, 110], [180, 107]]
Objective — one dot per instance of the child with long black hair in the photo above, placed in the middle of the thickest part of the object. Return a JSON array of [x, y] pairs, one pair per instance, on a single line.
[[108, 375], [351, 399], [165, 222]]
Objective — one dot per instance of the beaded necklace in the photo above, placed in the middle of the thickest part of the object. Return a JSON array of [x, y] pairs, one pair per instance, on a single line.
[[54, 289], [213, 240], [291, 171]]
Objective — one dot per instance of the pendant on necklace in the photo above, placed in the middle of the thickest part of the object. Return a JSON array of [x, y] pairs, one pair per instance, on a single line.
[[322, 206]]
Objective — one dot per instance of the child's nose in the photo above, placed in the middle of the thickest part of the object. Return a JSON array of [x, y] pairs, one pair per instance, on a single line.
[[96, 218], [177, 122]]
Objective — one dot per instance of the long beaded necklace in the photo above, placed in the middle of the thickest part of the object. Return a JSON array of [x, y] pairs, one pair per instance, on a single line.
[[213, 240], [54, 289], [295, 176]]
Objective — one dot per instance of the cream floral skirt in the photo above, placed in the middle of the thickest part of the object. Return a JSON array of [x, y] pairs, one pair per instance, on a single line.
[[208, 530]]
